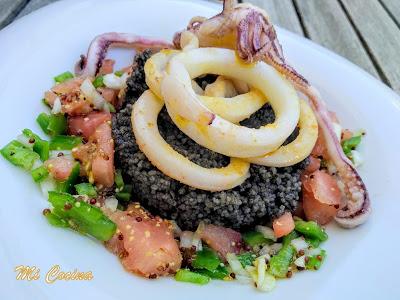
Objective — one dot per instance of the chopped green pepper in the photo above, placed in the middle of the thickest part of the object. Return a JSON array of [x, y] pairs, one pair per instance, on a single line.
[[246, 259], [315, 262], [82, 216], [311, 230], [206, 259], [43, 120], [351, 144], [64, 142], [127, 188], [123, 190], [40, 146], [288, 238], [119, 180], [185, 275], [44, 101], [255, 238], [279, 264], [52, 124], [56, 220], [63, 77], [86, 188], [313, 242], [119, 73], [66, 186], [19, 155], [219, 273], [57, 124], [123, 196], [39, 173], [98, 81]]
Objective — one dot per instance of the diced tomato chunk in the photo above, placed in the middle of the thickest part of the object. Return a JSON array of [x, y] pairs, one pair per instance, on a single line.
[[86, 125], [68, 86], [346, 134], [103, 162], [283, 225], [314, 164], [221, 239], [145, 244], [110, 95], [97, 156], [50, 97], [60, 168], [321, 197]]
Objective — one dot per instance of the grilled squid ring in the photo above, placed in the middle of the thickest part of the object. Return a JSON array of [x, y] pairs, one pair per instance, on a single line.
[[210, 130], [298, 149], [237, 108], [144, 124], [233, 109], [154, 69]]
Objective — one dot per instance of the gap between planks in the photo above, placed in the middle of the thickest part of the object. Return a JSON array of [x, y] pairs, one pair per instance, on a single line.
[[326, 23], [382, 39]]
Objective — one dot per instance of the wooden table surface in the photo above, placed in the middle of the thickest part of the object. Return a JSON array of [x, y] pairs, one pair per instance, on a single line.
[[367, 32]]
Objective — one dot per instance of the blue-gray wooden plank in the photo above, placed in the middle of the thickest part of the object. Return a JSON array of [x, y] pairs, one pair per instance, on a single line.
[[380, 34], [326, 23], [9, 9]]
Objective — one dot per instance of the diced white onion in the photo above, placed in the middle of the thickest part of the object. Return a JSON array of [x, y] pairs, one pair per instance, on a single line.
[[111, 203], [186, 239], [265, 250], [252, 271], [268, 284], [56, 106], [112, 81], [23, 139], [235, 265], [189, 239], [196, 241], [338, 130], [176, 229], [299, 244], [270, 249], [267, 232], [92, 94], [36, 164], [357, 158], [47, 185], [88, 88], [124, 78], [261, 268], [98, 101], [301, 261], [276, 247]]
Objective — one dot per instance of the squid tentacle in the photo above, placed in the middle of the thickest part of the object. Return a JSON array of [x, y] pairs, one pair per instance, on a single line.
[[90, 64]]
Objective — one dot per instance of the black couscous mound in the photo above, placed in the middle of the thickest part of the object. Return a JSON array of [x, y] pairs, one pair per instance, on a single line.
[[266, 194]]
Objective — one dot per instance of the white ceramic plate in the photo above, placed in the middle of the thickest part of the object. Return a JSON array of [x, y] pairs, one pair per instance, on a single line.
[[361, 264]]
